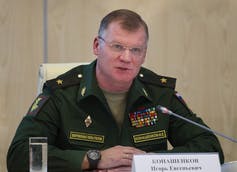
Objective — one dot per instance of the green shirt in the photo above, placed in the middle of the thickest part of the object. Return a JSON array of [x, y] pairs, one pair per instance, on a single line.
[[117, 103], [73, 113]]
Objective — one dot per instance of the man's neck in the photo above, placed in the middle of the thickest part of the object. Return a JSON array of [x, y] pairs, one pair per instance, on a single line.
[[113, 87]]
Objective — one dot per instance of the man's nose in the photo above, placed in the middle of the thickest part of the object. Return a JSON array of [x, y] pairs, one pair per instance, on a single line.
[[126, 55]]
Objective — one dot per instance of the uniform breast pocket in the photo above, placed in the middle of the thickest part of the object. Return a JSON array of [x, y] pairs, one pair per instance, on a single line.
[[149, 138]]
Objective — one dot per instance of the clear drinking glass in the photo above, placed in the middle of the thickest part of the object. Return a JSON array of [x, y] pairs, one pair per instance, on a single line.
[[38, 149]]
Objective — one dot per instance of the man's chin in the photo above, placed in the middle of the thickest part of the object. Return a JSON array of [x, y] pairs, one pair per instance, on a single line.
[[125, 79]]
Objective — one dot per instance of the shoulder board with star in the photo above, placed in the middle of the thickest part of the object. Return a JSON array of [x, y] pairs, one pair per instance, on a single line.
[[70, 78], [150, 77]]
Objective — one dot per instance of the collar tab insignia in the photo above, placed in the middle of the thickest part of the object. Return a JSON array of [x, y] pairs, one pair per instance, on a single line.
[[144, 91], [83, 91]]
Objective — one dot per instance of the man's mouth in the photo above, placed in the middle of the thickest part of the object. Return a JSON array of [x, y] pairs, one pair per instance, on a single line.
[[122, 68]]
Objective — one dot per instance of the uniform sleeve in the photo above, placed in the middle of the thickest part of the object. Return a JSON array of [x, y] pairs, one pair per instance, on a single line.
[[185, 137], [42, 120]]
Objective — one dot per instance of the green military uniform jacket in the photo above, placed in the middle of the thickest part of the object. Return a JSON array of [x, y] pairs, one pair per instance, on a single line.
[[73, 113]]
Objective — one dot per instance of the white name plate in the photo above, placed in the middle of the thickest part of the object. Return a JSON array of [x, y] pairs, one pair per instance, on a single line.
[[176, 162]]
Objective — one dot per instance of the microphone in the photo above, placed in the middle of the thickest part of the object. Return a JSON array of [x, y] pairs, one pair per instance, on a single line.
[[164, 110]]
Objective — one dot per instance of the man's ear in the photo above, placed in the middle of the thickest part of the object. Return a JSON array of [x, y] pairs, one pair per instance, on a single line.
[[96, 46]]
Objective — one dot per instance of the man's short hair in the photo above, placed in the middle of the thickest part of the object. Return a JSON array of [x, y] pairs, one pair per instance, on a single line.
[[128, 19]]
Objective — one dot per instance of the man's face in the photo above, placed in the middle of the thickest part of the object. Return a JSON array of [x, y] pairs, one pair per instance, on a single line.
[[120, 54]]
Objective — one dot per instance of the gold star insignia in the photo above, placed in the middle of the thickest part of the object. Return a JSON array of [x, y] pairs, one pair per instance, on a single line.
[[163, 80], [88, 121], [59, 82]]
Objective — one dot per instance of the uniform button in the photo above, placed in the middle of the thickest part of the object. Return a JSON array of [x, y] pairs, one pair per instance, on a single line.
[[79, 75], [141, 75]]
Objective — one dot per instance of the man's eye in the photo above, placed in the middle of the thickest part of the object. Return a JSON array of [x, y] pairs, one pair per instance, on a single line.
[[136, 50], [117, 47]]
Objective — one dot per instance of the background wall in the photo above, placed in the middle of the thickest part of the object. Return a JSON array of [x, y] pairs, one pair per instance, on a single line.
[[194, 41]]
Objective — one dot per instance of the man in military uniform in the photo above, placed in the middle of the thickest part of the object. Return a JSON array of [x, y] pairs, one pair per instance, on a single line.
[[97, 116]]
